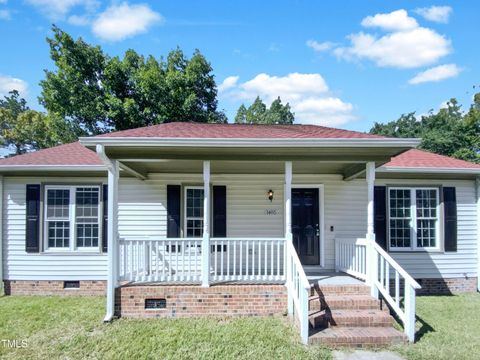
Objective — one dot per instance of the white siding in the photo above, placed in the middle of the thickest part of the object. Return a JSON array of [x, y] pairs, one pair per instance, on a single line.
[[142, 212], [461, 263], [18, 265]]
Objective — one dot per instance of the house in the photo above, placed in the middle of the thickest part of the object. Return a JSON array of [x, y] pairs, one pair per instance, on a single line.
[[188, 219]]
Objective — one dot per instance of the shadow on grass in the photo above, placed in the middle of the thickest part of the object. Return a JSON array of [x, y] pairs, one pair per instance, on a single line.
[[425, 327]]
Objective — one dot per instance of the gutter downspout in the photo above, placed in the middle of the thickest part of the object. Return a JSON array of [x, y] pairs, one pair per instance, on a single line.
[[477, 183], [2, 287]]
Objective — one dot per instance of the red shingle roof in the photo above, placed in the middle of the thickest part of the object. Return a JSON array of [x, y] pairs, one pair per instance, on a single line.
[[239, 131], [77, 154], [415, 158], [67, 154]]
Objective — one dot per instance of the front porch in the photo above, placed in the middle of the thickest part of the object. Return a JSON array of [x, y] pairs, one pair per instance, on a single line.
[[278, 220]]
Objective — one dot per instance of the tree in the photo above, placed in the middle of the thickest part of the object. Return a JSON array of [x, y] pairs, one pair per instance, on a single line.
[[447, 132], [100, 94], [23, 129], [258, 113]]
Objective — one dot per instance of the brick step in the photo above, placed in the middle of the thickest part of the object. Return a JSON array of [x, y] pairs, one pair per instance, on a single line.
[[351, 302], [350, 318], [357, 337], [353, 289]]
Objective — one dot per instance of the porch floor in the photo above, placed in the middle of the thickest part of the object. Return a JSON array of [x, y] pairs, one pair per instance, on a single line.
[[314, 277], [332, 278]]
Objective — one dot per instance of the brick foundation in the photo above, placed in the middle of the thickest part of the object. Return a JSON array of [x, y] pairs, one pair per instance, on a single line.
[[54, 287], [447, 286], [195, 301]]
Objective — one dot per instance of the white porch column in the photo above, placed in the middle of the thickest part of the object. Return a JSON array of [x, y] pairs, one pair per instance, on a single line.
[[477, 182], [206, 226], [288, 200], [288, 228], [372, 261], [112, 230]]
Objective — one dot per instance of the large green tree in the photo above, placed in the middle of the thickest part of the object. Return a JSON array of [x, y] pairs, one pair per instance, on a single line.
[[100, 93], [23, 129], [258, 113], [449, 131]]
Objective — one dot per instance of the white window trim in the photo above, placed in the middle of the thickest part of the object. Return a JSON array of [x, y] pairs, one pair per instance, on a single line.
[[413, 219], [185, 217], [72, 248]]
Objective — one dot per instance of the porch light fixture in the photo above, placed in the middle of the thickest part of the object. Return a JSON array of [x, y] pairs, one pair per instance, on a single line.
[[270, 195]]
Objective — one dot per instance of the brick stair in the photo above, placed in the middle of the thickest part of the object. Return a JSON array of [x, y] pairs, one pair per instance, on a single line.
[[346, 315]]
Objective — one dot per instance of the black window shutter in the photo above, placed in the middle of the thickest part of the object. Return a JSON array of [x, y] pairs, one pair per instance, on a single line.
[[380, 215], [450, 218], [105, 219], [173, 211], [220, 211], [32, 231]]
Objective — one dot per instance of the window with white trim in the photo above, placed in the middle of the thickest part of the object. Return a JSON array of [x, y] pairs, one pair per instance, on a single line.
[[193, 211], [413, 218], [72, 218]]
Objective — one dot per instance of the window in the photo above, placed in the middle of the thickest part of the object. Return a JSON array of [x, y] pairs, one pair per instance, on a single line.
[[193, 212], [72, 218], [413, 218]]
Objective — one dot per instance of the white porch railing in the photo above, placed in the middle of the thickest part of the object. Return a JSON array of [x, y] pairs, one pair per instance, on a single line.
[[384, 280], [387, 276], [172, 259], [298, 288], [350, 257], [179, 259], [247, 259]]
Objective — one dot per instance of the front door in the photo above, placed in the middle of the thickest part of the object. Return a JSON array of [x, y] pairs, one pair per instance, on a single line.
[[305, 225]]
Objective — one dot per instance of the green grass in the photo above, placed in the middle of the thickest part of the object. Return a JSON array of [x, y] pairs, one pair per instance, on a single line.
[[72, 328], [448, 327]]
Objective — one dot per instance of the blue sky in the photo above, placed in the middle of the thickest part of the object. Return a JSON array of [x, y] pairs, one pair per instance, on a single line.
[[339, 63]]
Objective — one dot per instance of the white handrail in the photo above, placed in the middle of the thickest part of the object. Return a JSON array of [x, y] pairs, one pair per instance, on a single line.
[[397, 266], [298, 288], [382, 281]]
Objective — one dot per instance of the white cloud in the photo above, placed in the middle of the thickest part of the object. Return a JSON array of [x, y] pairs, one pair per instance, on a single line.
[[402, 49], [435, 74], [320, 47], [440, 14], [405, 45], [122, 21], [395, 21], [58, 9], [228, 83], [9, 83], [308, 95], [78, 20], [4, 14]]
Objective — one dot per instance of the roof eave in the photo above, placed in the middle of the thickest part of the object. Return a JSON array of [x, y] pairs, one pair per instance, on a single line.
[[16, 168], [428, 170], [249, 142]]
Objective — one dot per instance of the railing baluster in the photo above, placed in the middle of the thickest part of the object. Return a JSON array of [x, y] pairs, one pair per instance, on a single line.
[[397, 288], [234, 259]]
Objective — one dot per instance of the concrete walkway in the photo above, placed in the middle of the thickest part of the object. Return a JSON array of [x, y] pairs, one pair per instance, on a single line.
[[365, 355]]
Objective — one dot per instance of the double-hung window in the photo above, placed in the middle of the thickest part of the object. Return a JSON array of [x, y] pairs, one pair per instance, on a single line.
[[72, 218], [193, 212], [413, 218]]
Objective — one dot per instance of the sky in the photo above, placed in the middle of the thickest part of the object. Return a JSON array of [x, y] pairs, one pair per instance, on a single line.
[[344, 64]]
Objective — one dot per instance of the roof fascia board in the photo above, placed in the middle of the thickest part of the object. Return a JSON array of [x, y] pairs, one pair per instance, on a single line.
[[438, 170], [244, 142]]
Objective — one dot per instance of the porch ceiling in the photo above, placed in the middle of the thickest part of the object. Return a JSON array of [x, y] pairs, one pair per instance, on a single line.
[[239, 167], [330, 154]]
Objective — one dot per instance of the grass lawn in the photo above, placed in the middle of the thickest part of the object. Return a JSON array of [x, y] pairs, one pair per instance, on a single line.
[[448, 327], [55, 327], [72, 328]]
